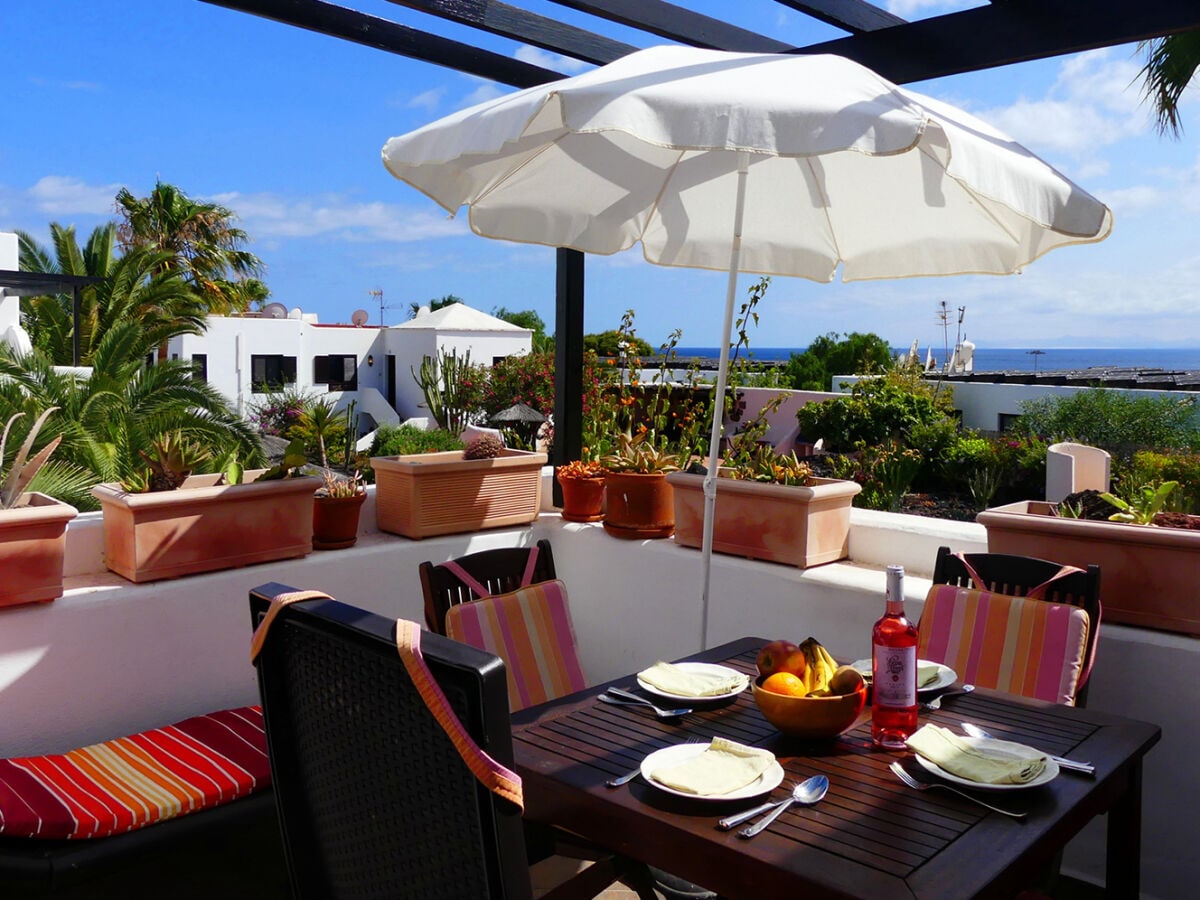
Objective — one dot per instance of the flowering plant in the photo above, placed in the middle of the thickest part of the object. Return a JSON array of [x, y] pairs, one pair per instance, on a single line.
[[578, 469]]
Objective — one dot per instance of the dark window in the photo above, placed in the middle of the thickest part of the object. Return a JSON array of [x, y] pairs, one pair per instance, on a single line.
[[200, 366], [338, 371], [271, 372], [1007, 420]]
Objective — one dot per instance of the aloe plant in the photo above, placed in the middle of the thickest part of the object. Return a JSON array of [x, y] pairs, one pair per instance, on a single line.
[[21, 473]]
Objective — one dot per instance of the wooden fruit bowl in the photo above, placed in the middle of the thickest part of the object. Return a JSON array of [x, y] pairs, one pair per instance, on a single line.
[[810, 717]]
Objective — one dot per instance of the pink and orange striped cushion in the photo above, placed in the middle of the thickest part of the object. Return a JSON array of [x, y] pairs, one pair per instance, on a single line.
[[129, 782], [530, 629], [1033, 648]]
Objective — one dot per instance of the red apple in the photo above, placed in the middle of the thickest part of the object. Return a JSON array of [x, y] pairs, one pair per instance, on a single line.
[[796, 663], [773, 656]]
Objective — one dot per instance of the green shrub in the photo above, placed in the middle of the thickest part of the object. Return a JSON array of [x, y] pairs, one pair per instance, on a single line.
[[1150, 467], [889, 408], [401, 440], [1114, 421]]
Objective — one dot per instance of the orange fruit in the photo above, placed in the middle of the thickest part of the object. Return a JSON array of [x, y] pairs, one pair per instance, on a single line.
[[785, 683]]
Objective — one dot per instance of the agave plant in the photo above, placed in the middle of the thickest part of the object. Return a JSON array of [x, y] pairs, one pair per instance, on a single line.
[[14, 482], [1141, 509]]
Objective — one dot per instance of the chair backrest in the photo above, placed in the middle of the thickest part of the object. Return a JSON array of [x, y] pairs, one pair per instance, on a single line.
[[498, 570], [1016, 576], [373, 799]]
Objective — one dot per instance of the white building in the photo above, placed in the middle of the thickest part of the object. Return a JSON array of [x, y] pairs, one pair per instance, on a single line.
[[371, 364]]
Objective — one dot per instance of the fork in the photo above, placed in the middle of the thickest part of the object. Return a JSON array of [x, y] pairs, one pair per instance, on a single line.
[[936, 702], [638, 701], [916, 785]]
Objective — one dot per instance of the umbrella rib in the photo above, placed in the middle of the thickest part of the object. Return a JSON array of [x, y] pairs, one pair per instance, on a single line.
[[809, 163]]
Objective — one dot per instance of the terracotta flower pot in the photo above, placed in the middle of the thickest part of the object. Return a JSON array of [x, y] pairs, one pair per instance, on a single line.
[[424, 494], [638, 505], [583, 498], [167, 534], [32, 539], [797, 526], [1147, 573], [335, 521]]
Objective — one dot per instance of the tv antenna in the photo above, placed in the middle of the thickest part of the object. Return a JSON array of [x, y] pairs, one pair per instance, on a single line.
[[377, 293]]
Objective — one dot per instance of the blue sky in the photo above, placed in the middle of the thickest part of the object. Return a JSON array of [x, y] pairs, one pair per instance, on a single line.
[[285, 128]]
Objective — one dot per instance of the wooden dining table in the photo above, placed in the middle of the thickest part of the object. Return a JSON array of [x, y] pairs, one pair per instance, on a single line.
[[871, 836]]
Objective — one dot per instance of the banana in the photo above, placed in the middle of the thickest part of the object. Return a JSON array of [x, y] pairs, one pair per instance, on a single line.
[[821, 666]]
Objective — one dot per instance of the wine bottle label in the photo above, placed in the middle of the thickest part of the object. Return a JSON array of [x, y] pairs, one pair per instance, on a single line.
[[894, 676]]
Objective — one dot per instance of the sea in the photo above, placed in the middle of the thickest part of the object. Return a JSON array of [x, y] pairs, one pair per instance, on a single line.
[[1017, 359]]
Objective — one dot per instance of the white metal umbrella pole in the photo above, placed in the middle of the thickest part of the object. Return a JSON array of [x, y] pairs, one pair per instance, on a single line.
[[710, 479]]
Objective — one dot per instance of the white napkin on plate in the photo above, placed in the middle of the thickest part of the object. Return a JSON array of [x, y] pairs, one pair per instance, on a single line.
[[722, 767], [985, 761], [673, 680], [927, 672]]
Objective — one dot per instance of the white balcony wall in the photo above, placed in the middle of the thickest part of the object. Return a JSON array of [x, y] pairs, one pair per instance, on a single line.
[[111, 657]]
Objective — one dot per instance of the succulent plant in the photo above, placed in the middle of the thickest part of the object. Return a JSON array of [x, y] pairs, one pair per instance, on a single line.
[[170, 462], [20, 473], [486, 446]]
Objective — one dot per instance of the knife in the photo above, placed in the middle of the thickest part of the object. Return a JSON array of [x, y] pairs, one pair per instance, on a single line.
[[1071, 765]]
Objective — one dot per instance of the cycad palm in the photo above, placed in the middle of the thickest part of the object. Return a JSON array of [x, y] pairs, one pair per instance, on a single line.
[[202, 244]]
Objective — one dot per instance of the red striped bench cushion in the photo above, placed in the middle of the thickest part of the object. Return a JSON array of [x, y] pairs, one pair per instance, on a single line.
[[126, 783]]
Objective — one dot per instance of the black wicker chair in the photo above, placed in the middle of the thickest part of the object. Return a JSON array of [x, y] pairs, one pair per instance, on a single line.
[[373, 799], [498, 570], [1015, 575]]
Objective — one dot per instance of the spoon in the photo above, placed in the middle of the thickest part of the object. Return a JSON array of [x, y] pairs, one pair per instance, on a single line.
[[805, 793], [936, 702]]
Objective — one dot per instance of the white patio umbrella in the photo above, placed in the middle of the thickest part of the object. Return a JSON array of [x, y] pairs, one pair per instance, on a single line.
[[764, 163]]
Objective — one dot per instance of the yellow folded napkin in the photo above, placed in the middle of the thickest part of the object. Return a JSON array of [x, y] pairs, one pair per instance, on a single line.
[[988, 762], [674, 680], [926, 672], [723, 767]]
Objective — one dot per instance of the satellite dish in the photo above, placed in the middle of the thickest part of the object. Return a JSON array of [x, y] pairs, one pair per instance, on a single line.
[[275, 311], [295, 313], [359, 317]]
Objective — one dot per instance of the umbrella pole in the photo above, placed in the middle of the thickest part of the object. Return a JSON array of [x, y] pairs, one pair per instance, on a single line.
[[710, 478]]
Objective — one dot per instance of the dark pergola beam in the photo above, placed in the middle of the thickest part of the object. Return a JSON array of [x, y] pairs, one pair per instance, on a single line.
[[678, 24], [1007, 32], [510, 22], [372, 31], [853, 15]]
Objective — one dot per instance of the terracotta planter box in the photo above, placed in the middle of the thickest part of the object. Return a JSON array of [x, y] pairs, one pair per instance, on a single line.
[[425, 494], [1147, 573], [32, 539], [167, 534], [797, 526]]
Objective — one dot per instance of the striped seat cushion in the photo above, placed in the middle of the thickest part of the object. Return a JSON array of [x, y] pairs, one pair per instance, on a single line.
[[126, 783], [530, 629], [1034, 648]]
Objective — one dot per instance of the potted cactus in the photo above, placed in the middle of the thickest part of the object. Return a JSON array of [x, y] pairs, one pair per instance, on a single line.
[[582, 484], [165, 522], [485, 485], [32, 525]]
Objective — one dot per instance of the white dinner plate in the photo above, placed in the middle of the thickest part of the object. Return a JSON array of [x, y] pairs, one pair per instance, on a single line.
[[946, 676], [679, 753], [1000, 748], [698, 668]]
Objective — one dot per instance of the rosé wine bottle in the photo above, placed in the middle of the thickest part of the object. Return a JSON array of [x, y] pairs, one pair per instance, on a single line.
[[894, 670]]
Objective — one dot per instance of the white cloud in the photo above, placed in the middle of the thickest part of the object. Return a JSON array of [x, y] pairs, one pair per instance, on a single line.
[[1133, 200], [1093, 104], [268, 216], [427, 100], [555, 62], [61, 195], [921, 9], [484, 92]]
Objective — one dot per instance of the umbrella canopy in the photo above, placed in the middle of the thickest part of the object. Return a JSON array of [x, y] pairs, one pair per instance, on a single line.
[[767, 163], [518, 414]]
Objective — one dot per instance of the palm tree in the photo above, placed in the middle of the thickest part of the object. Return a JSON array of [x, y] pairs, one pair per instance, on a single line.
[[50, 319], [434, 304], [201, 242], [1171, 63], [139, 286], [122, 407]]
